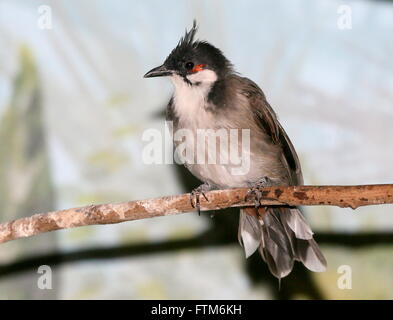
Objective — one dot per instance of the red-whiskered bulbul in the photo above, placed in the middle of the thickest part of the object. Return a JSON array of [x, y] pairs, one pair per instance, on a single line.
[[209, 94]]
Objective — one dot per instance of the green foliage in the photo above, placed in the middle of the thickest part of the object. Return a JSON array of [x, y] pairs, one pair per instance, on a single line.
[[25, 183]]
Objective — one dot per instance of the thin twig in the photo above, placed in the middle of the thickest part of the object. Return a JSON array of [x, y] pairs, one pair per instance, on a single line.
[[342, 196]]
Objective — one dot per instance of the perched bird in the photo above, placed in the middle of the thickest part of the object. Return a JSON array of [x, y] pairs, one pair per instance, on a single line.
[[210, 95]]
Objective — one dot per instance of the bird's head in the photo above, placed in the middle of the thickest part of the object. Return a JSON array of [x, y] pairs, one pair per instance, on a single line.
[[194, 62]]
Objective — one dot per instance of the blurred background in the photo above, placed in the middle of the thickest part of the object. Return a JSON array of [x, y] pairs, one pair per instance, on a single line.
[[73, 107]]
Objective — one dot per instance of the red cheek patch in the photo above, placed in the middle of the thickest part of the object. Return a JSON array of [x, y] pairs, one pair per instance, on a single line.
[[198, 67]]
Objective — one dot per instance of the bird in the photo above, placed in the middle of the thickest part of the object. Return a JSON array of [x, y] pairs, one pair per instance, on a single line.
[[210, 95]]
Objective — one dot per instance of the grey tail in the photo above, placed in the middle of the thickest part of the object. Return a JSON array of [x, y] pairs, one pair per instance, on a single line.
[[282, 235]]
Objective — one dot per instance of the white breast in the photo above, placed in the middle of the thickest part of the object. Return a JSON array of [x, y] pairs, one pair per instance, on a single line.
[[190, 101]]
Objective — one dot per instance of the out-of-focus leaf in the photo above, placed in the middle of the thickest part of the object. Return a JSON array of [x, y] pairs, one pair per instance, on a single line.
[[25, 178]]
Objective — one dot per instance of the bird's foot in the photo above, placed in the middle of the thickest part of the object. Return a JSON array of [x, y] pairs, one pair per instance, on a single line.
[[255, 191], [196, 194]]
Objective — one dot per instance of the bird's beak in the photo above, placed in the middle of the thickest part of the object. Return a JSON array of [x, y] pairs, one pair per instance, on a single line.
[[160, 71]]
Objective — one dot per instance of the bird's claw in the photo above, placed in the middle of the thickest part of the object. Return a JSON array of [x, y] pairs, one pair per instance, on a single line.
[[255, 191], [195, 197], [255, 194]]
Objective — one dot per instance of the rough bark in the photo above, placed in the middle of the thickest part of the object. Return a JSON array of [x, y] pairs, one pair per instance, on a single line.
[[342, 196]]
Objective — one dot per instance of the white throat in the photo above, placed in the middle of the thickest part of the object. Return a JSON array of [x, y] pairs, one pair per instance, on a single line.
[[192, 99]]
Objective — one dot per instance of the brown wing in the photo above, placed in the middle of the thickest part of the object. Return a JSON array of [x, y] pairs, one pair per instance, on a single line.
[[267, 119]]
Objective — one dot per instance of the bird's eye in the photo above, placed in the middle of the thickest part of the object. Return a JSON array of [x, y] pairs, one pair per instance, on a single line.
[[189, 65]]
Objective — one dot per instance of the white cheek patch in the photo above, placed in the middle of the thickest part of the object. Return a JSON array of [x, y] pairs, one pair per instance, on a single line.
[[203, 76]]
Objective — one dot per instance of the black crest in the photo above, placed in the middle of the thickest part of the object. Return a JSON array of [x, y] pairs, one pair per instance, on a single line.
[[188, 39], [199, 52], [186, 43]]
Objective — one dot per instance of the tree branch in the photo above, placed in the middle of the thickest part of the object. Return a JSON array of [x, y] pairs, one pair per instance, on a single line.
[[342, 196]]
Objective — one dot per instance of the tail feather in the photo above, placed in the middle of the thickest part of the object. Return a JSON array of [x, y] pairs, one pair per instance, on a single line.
[[295, 220], [249, 234], [275, 231], [282, 236], [311, 256], [277, 249]]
